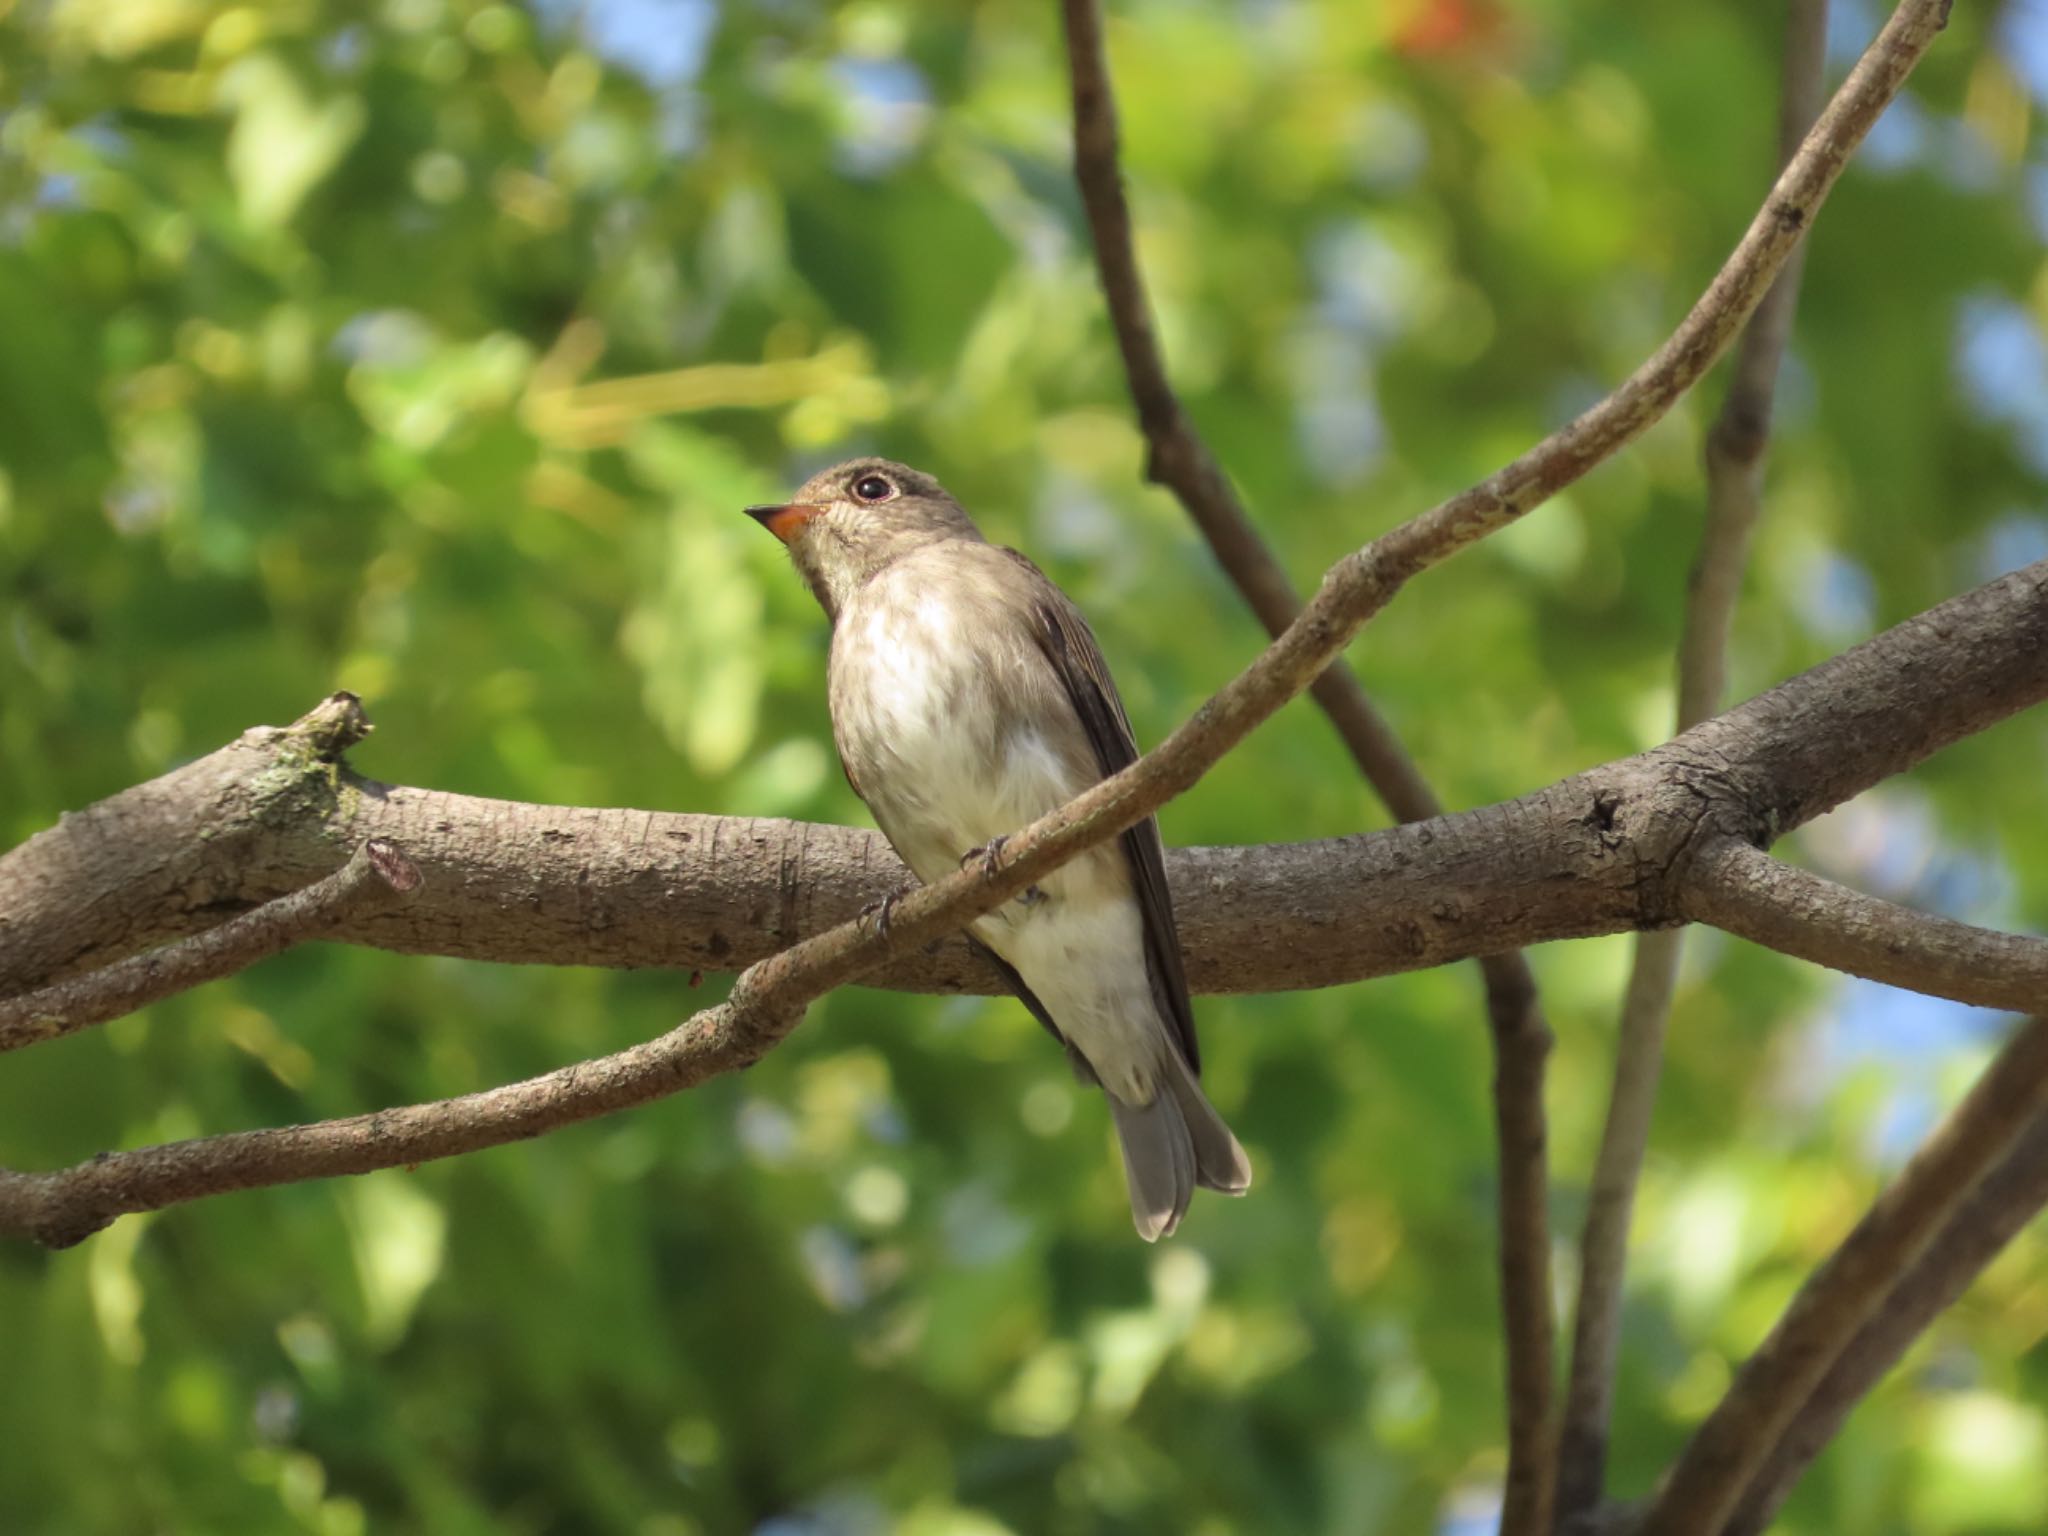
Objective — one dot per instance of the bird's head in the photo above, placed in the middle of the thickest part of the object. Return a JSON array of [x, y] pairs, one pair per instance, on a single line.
[[849, 521]]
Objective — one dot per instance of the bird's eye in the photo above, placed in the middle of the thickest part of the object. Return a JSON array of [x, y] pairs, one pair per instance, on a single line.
[[873, 488]]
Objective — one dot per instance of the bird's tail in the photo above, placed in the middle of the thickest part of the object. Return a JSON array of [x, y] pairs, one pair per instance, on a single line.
[[1173, 1144]]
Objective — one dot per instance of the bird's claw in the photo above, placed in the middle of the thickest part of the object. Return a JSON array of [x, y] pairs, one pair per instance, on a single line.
[[990, 854], [880, 910]]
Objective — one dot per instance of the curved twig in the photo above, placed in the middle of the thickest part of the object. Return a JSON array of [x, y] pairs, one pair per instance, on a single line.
[[1178, 458]]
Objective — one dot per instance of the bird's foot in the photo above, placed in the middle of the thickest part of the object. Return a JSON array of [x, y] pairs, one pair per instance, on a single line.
[[880, 910], [989, 854]]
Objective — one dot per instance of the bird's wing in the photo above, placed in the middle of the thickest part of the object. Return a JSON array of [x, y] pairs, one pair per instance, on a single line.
[[1064, 637]]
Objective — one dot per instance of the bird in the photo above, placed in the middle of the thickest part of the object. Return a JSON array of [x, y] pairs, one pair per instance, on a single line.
[[968, 698]]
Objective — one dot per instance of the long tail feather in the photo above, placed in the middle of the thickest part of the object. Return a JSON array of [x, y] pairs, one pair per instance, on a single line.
[[1159, 1162], [1170, 1146], [1220, 1163]]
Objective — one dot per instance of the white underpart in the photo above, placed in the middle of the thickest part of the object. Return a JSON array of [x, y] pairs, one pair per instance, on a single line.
[[1086, 961], [947, 763]]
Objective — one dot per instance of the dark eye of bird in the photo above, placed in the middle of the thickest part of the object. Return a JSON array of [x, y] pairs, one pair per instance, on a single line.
[[873, 488]]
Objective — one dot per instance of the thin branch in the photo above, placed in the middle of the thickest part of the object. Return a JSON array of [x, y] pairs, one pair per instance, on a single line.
[[376, 875], [1610, 1207], [1521, 1046], [2007, 1198], [1740, 1435], [1734, 470], [1180, 459], [1783, 907], [768, 999], [1741, 432]]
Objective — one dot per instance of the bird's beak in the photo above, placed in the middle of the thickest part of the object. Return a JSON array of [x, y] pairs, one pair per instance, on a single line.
[[784, 521]]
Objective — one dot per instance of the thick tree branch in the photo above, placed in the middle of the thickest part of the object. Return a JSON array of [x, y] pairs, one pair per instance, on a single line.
[[769, 997], [1735, 474], [1600, 852], [1783, 907], [1844, 1294], [1180, 459], [377, 874]]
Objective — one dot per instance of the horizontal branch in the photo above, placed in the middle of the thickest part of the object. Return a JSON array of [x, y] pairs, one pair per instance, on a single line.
[[556, 885], [1780, 906]]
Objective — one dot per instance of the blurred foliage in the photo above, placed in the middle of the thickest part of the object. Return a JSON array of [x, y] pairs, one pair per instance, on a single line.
[[429, 348]]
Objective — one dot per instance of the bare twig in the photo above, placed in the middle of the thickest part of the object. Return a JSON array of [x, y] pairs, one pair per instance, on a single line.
[[377, 874], [1521, 1046], [769, 997], [2007, 1198], [1741, 432], [1734, 467], [1796, 912], [1180, 459], [1740, 1435], [1610, 1204]]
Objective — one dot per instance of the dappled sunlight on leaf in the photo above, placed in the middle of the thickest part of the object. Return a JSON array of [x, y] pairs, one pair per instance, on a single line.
[[285, 141], [117, 1296], [398, 1234], [1983, 1464]]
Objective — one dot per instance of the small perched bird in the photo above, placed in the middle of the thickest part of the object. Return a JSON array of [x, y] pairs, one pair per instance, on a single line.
[[968, 699]]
